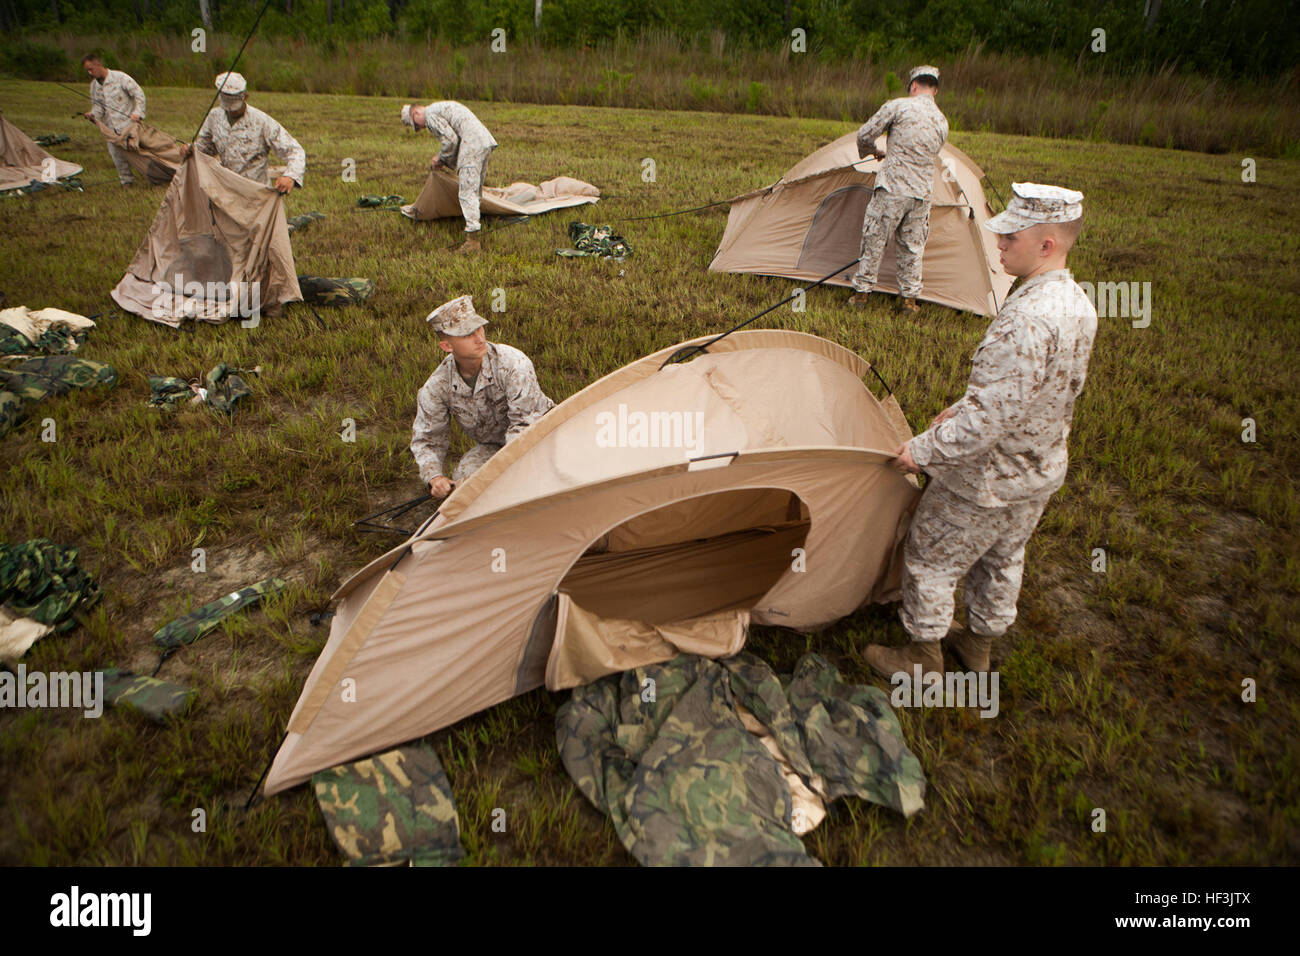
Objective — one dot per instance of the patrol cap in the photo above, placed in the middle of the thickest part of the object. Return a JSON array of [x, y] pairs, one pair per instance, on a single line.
[[406, 116], [1033, 204], [927, 70], [456, 317], [232, 87]]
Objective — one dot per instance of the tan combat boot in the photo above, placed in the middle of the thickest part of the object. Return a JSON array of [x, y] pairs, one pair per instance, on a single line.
[[859, 299], [471, 244], [971, 649], [911, 306], [888, 661]]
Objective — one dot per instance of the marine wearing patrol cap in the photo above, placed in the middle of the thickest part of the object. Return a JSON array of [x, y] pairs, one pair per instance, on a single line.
[[899, 208], [456, 317], [232, 87], [927, 70], [1033, 204]]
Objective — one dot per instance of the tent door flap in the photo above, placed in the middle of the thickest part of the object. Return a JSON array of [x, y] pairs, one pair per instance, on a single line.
[[588, 646]]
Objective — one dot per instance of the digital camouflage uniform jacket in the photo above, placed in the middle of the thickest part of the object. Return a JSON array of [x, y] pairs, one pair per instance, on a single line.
[[458, 129], [917, 131], [243, 148], [115, 100], [1006, 439], [505, 400]]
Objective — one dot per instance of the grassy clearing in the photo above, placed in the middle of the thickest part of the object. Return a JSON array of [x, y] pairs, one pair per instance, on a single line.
[[1120, 690], [1091, 96]]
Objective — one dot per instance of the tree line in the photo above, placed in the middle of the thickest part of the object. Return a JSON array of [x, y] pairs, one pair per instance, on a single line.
[[1229, 38]]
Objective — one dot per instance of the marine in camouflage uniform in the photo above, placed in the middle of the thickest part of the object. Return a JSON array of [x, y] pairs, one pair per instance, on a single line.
[[117, 101], [466, 147], [497, 402], [242, 145], [998, 454], [900, 203]]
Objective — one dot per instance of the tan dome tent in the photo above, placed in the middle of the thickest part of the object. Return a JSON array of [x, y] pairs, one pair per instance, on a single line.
[[153, 154], [811, 222], [21, 160], [440, 197], [661, 509], [218, 249]]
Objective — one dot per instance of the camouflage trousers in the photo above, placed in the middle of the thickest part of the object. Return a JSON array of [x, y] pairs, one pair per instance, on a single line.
[[952, 539], [473, 460], [908, 220], [125, 175], [470, 172]]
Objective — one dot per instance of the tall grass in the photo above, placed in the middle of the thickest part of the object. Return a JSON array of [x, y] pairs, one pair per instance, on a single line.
[[1081, 99]]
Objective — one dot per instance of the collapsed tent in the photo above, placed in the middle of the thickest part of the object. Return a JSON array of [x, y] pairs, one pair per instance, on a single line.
[[660, 510], [153, 154], [21, 160], [218, 249], [440, 197], [810, 222]]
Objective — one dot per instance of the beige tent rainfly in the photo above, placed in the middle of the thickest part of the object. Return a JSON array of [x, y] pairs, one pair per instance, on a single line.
[[660, 509], [218, 249], [811, 222], [439, 198], [21, 160], [153, 154]]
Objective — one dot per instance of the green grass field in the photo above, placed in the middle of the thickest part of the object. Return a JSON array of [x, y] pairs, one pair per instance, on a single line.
[[1121, 690]]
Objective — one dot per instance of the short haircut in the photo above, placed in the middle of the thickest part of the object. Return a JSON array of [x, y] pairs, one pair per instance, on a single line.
[[1064, 232], [1069, 231], [929, 82], [91, 58]]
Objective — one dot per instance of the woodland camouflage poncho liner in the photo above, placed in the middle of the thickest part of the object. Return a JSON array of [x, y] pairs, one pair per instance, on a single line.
[[37, 379], [395, 807], [685, 784]]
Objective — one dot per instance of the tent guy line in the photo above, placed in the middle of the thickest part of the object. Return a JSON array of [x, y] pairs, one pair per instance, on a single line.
[[221, 89], [682, 355]]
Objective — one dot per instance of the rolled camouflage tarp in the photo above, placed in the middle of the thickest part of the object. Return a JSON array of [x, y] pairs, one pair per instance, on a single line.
[[156, 699], [297, 223], [320, 290], [380, 202], [192, 626], [395, 807]]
